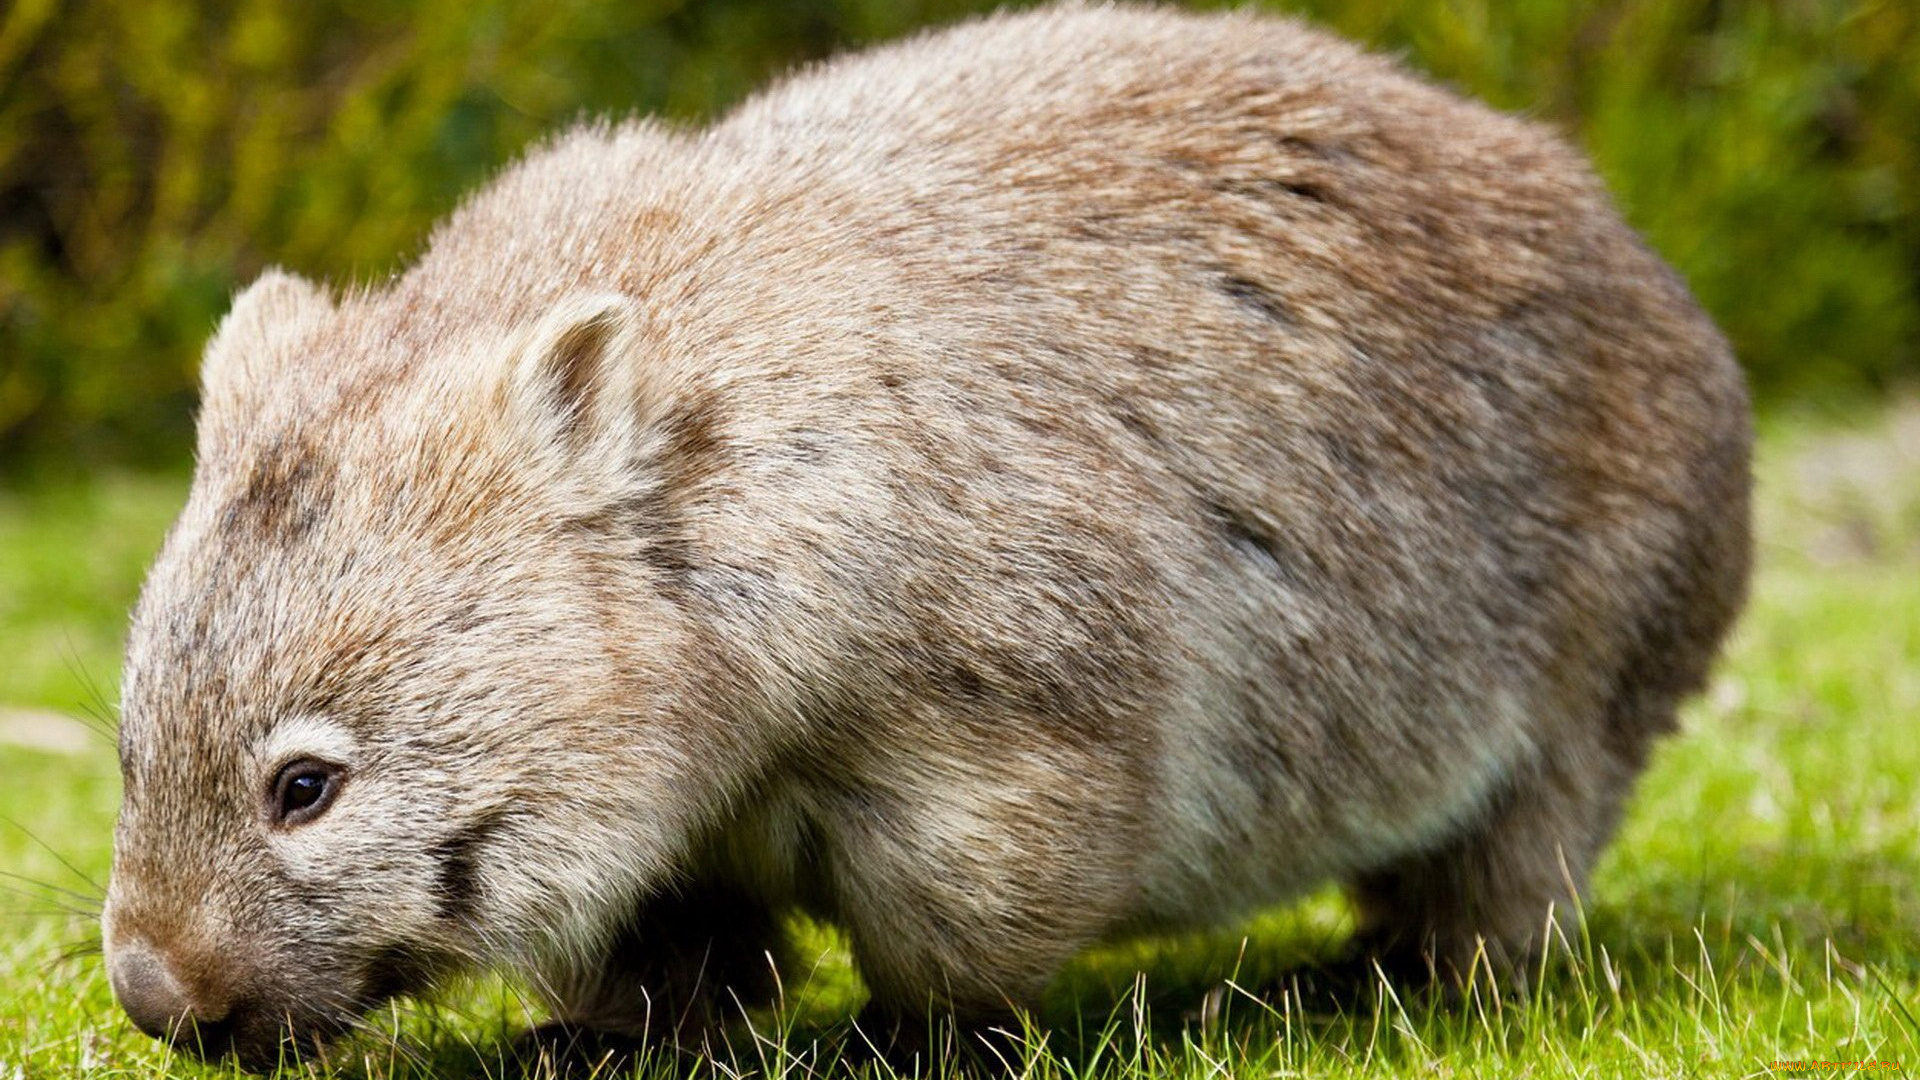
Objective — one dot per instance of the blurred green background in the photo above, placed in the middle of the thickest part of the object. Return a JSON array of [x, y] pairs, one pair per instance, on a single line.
[[155, 154]]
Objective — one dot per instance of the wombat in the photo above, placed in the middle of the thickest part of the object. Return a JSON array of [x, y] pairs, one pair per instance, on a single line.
[[1076, 475]]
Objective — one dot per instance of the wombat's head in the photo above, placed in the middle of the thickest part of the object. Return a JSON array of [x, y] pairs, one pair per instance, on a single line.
[[396, 691]]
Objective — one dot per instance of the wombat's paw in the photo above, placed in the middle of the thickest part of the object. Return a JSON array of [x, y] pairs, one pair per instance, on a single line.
[[555, 1050], [1404, 962], [936, 1045]]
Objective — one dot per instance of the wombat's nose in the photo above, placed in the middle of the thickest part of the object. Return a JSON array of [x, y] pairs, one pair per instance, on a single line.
[[156, 1001]]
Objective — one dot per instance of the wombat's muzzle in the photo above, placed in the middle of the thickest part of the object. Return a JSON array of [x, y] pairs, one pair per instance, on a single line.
[[156, 1000], [164, 1005]]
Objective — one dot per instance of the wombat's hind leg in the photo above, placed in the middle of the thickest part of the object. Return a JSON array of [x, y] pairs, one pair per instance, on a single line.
[[1487, 895], [687, 964]]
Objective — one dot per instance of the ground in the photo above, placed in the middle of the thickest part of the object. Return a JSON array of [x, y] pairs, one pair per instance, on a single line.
[[1761, 908]]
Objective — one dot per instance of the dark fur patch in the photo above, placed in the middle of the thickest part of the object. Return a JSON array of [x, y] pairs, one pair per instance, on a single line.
[[694, 447], [457, 886], [1098, 663], [1251, 541], [463, 618], [1346, 458], [958, 680], [392, 971], [694, 955], [1137, 425], [808, 447], [1276, 194], [668, 548], [693, 451], [1044, 426], [1258, 299], [1301, 189], [284, 496]]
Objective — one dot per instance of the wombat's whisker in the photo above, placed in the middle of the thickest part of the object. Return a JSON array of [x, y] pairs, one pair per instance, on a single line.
[[41, 915], [76, 902], [85, 947], [68, 955], [99, 890], [98, 723], [98, 713]]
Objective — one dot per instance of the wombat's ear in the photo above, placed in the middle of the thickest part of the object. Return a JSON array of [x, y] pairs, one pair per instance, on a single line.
[[573, 376], [252, 346]]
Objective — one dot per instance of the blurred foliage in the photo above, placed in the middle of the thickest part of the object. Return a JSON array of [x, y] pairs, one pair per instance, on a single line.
[[156, 154]]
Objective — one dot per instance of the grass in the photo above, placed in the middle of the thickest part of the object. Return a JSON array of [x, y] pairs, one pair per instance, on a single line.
[[1762, 904]]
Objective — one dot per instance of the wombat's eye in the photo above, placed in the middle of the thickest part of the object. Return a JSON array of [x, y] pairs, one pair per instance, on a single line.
[[303, 791]]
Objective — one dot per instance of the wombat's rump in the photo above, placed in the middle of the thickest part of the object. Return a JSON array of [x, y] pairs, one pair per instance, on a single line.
[[1080, 473]]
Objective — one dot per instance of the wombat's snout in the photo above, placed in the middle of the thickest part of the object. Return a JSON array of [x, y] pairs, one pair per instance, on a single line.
[[212, 1005], [162, 1006]]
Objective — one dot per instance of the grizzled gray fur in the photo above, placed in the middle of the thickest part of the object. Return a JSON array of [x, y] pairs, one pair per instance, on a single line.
[[1074, 475]]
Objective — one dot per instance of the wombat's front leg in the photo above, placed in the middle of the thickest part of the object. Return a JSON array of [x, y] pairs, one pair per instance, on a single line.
[[687, 964], [963, 898]]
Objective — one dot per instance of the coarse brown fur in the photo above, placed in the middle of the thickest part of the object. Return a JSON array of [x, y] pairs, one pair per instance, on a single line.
[[1074, 475]]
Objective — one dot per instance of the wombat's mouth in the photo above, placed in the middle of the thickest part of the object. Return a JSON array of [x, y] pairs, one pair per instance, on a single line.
[[260, 1039], [263, 1032]]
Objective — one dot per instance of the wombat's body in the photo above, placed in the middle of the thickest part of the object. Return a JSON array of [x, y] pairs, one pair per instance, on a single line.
[[1078, 474]]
